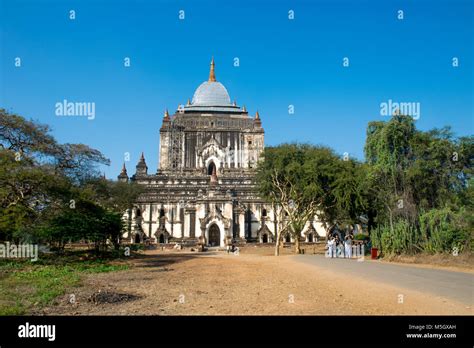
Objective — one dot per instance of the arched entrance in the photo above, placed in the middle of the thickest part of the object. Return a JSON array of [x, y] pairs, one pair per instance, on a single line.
[[310, 238], [137, 238], [211, 168], [162, 238], [288, 238], [265, 238], [214, 235]]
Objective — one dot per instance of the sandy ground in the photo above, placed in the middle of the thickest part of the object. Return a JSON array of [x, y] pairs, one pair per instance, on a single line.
[[185, 283]]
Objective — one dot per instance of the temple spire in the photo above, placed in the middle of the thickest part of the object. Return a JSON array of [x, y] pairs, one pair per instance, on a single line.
[[141, 166], [123, 174], [124, 169], [257, 121], [212, 75]]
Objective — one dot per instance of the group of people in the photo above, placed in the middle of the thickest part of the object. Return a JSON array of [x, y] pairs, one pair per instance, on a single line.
[[336, 247]]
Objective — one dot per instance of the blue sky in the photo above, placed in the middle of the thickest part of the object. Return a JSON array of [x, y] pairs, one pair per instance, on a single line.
[[282, 62]]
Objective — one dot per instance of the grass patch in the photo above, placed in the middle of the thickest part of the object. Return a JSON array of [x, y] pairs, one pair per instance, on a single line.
[[26, 285]]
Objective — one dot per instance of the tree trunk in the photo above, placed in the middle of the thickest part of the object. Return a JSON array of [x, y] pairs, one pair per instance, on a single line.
[[277, 244], [297, 245]]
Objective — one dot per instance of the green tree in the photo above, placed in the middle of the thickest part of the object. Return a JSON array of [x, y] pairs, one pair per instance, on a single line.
[[39, 177], [84, 221], [413, 176], [303, 181], [115, 196]]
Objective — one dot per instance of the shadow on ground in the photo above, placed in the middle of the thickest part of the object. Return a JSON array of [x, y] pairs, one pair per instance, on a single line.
[[162, 261]]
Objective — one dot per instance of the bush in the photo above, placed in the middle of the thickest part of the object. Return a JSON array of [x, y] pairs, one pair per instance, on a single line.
[[444, 230], [438, 231], [137, 247], [404, 239]]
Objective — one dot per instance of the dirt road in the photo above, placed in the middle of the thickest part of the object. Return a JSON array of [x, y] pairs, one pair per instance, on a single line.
[[179, 283]]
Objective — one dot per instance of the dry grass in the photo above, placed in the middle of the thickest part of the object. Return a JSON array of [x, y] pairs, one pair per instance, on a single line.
[[463, 262]]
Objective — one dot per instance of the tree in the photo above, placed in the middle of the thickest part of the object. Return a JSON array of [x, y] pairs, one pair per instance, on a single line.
[[349, 192], [26, 193], [40, 181], [387, 151], [305, 181], [84, 221], [25, 137], [115, 196], [417, 179], [78, 161]]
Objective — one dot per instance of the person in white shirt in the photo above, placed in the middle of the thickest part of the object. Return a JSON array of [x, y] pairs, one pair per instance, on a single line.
[[348, 245], [331, 246]]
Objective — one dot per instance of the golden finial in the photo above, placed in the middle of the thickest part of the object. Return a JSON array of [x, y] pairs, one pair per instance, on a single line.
[[189, 102], [167, 115], [257, 116], [212, 75], [244, 109]]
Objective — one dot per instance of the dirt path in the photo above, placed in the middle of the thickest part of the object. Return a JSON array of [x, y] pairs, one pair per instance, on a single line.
[[167, 283]]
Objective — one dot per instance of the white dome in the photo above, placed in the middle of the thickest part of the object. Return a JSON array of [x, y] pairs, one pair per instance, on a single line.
[[211, 93]]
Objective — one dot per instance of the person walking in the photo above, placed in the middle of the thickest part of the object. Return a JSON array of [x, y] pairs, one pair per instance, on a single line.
[[348, 245], [339, 250], [331, 246]]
